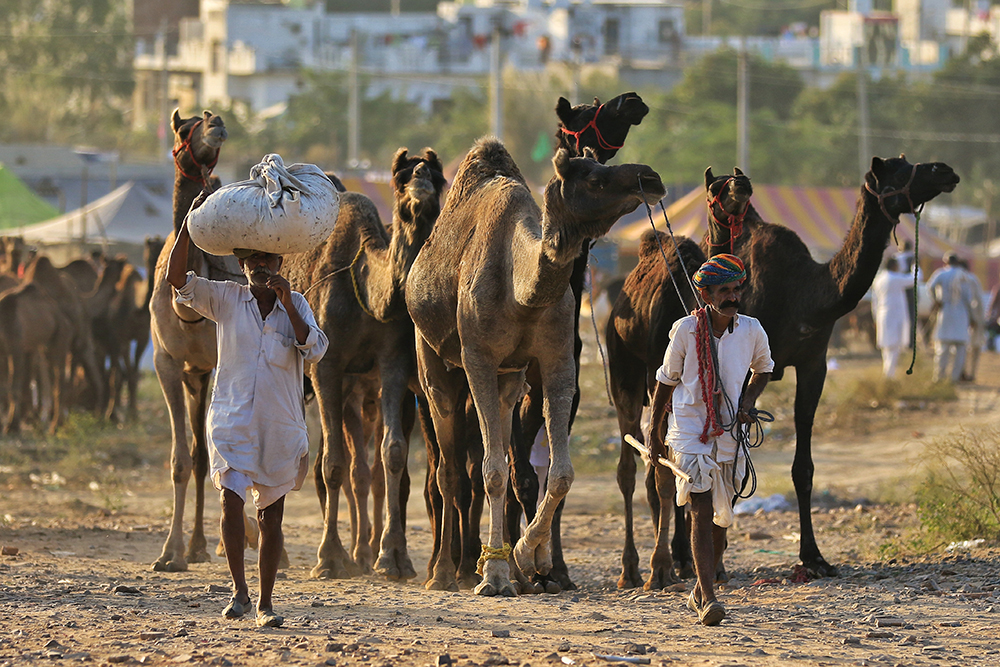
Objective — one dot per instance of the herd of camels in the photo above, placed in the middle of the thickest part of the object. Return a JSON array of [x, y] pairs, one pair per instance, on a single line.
[[462, 316]]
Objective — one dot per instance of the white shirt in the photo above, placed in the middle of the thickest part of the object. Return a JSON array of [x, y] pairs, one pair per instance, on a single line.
[[892, 313], [949, 286], [256, 420], [744, 349]]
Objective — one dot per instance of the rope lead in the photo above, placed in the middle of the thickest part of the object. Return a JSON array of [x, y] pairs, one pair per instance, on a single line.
[[916, 295], [489, 553]]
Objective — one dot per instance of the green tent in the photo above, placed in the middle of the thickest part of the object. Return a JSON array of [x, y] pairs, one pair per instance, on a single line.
[[19, 206]]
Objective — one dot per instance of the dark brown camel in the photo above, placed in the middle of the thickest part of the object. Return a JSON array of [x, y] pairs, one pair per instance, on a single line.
[[184, 343], [488, 293], [602, 128], [637, 334], [355, 282], [798, 300]]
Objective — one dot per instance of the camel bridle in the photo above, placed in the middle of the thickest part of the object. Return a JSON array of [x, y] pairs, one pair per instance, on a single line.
[[601, 141], [733, 222], [905, 190], [199, 178]]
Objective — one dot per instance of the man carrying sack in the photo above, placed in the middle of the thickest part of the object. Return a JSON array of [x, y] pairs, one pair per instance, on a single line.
[[704, 368], [256, 424]]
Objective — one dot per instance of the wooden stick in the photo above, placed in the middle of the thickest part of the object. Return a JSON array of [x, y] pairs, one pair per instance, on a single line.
[[641, 448]]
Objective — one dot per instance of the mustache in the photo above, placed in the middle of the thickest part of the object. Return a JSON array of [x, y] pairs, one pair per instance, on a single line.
[[261, 271], [730, 303]]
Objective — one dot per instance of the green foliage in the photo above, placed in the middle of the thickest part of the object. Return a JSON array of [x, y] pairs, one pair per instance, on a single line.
[[755, 17], [66, 69], [960, 496]]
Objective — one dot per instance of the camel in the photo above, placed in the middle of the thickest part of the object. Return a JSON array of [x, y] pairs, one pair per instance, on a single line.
[[184, 343], [637, 335], [603, 128], [355, 283], [35, 340], [798, 300], [488, 293]]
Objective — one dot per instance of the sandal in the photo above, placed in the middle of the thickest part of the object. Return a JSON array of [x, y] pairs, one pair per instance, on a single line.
[[692, 603], [266, 618], [235, 608], [712, 613]]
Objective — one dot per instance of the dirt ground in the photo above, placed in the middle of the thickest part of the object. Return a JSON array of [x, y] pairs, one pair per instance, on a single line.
[[80, 588]]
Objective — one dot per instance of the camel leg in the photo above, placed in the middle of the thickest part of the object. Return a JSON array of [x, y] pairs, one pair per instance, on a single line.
[[495, 398], [628, 388], [393, 559], [661, 563], [357, 492], [433, 499], [197, 407], [333, 561], [134, 375], [473, 500], [374, 433], [809, 382], [443, 392], [534, 550], [170, 375]]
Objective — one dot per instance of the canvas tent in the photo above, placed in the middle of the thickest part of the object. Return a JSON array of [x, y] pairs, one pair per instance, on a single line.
[[117, 222], [19, 206], [820, 216]]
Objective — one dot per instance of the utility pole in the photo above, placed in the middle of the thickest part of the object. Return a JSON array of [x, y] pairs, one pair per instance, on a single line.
[[743, 109], [496, 76], [353, 104], [864, 141], [166, 140], [706, 16]]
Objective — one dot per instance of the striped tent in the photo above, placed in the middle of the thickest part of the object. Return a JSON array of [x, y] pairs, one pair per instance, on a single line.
[[820, 216]]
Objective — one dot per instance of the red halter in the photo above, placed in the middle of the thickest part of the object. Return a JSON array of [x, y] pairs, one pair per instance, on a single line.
[[592, 124], [734, 223], [187, 145]]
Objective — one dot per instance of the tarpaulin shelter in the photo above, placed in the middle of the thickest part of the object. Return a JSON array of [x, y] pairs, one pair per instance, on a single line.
[[820, 216], [120, 221], [19, 206]]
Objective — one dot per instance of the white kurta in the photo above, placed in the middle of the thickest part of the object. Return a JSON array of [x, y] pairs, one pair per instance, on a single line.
[[949, 286], [892, 314], [744, 349], [256, 420]]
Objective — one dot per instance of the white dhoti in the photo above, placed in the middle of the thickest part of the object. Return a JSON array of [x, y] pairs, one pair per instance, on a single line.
[[709, 475]]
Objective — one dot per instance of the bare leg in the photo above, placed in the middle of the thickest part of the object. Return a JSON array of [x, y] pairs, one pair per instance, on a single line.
[[272, 540], [234, 537]]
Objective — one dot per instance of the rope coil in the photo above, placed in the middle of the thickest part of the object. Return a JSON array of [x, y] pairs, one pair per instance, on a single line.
[[489, 553]]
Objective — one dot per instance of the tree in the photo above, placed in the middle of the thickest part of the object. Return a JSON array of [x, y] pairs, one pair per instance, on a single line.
[[66, 67]]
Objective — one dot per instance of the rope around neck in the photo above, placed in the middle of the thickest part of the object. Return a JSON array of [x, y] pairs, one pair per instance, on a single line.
[[916, 295], [489, 553], [354, 281]]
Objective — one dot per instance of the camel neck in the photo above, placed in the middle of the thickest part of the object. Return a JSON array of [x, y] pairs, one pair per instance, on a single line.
[[854, 266], [185, 190]]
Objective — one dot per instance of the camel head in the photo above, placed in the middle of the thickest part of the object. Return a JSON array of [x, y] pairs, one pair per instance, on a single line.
[[197, 141], [417, 183], [728, 202], [900, 187], [602, 127], [590, 197]]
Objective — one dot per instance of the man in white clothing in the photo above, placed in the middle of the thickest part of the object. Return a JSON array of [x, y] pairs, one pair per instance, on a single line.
[[699, 384], [892, 315], [952, 296], [256, 421]]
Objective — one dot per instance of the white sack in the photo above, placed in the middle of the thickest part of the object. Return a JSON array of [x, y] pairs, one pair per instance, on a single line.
[[280, 210]]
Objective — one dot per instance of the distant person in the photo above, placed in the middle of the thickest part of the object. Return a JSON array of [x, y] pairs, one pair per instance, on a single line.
[[977, 324], [892, 316], [993, 320], [952, 296]]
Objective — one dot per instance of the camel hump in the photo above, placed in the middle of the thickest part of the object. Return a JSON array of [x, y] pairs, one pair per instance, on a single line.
[[651, 241], [487, 159], [691, 254]]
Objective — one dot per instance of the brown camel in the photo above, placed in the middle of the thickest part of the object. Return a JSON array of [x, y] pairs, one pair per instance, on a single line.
[[488, 293], [184, 343], [798, 300], [355, 283], [637, 334], [603, 128], [35, 339]]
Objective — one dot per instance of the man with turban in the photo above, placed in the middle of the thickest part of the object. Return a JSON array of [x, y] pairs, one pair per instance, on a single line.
[[699, 404]]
